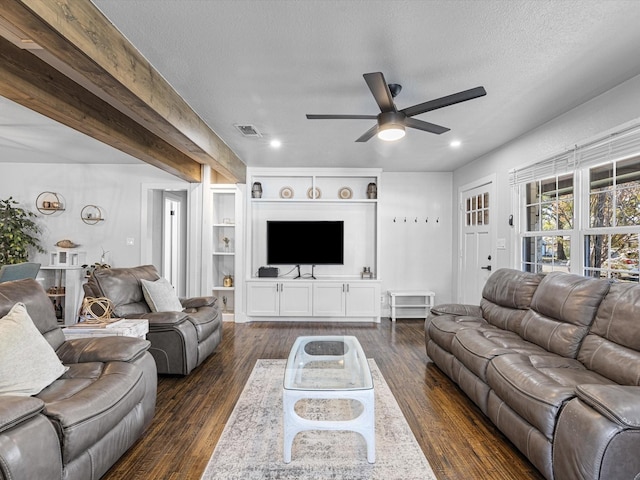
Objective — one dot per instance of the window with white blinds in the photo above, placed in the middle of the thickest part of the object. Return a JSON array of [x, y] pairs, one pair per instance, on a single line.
[[599, 184]]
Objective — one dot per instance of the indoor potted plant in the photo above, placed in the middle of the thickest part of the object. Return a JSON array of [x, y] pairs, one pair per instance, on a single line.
[[18, 233]]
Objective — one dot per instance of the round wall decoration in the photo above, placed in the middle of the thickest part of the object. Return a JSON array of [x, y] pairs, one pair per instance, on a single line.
[[344, 193], [310, 192], [286, 192]]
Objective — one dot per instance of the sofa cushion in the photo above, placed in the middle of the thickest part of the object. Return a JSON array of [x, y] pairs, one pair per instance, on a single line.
[[206, 320], [537, 386], [160, 295], [27, 362], [89, 400], [506, 318], [38, 304], [475, 348], [562, 310], [442, 330], [612, 347], [511, 288], [506, 296], [122, 287]]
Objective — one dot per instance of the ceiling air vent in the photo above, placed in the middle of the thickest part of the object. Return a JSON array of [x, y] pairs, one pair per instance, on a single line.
[[248, 130]]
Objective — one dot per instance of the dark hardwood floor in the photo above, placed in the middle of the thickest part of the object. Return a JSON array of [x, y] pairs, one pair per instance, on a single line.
[[457, 439]]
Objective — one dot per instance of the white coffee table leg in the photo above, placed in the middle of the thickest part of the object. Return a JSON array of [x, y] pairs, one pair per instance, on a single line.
[[290, 426], [364, 424]]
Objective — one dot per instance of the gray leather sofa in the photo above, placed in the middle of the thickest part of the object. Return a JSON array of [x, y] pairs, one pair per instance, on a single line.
[[80, 425], [180, 341], [554, 362]]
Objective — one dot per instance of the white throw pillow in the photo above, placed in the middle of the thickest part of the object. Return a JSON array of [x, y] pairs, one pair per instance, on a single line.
[[161, 296], [27, 362]]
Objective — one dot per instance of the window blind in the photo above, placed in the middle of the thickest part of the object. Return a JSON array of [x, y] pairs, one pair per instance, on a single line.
[[614, 146]]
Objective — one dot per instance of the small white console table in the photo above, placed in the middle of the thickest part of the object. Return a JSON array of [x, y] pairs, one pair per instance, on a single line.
[[410, 303]]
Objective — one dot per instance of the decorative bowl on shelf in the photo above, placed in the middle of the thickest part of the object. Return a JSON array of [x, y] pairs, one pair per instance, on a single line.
[[314, 192], [345, 193], [66, 244], [286, 192]]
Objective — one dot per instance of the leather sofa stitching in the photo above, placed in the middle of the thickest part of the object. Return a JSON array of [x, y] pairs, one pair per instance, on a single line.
[[107, 409], [515, 388], [553, 332], [566, 299]]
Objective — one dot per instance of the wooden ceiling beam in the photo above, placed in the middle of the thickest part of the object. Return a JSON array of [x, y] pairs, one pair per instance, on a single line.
[[83, 40], [29, 81]]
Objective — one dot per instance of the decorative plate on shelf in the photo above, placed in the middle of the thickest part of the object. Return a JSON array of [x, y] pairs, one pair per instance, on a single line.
[[286, 192], [344, 193], [318, 192]]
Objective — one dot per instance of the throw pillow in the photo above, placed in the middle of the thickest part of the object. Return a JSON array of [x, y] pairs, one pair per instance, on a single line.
[[161, 296], [27, 362]]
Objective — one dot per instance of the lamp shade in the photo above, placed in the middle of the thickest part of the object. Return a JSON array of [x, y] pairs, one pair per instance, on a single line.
[[390, 126]]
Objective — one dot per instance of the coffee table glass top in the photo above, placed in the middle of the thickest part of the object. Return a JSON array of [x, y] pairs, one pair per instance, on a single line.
[[330, 362]]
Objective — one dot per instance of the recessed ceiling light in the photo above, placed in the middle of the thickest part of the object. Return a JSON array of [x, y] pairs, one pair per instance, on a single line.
[[275, 143], [455, 144]]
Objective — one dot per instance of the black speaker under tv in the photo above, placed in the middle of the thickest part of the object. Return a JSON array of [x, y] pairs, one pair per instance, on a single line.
[[308, 242]]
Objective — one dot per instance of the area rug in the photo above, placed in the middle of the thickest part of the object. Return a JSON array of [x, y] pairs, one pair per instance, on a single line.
[[250, 447]]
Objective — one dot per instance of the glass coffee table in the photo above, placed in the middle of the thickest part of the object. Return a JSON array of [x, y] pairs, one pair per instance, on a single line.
[[328, 367]]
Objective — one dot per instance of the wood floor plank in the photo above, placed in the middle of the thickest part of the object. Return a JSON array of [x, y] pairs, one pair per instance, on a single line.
[[457, 439]]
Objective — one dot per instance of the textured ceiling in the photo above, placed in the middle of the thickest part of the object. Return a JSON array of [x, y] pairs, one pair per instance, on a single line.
[[269, 62]]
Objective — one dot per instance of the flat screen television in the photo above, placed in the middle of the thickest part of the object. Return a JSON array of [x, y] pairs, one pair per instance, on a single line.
[[305, 242]]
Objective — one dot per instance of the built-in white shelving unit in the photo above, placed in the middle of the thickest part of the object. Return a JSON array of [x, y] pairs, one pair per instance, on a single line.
[[338, 292], [64, 286], [227, 247]]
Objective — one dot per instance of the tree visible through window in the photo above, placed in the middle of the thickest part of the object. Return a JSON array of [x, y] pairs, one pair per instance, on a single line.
[[549, 211], [611, 243]]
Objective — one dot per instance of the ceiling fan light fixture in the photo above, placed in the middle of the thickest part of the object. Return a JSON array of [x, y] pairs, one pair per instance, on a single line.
[[390, 126], [391, 132]]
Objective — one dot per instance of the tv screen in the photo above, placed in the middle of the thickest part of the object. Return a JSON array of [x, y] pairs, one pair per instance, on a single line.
[[305, 242]]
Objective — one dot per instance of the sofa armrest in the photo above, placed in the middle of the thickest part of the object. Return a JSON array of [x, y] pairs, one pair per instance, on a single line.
[[102, 349], [197, 302], [16, 409], [606, 420], [618, 403], [457, 309]]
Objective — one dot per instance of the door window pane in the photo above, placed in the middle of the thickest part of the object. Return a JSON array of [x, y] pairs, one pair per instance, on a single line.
[[477, 212]]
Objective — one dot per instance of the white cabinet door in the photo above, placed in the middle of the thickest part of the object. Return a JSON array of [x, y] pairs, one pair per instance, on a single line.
[[363, 299], [263, 298], [296, 299], [329, 299]]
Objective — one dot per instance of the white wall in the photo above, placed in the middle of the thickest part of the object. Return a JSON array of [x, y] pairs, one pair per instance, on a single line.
[[609, 111], [116, 189], [416, 255]]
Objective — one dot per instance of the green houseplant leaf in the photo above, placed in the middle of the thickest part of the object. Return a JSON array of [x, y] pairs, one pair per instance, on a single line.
[[18, 233]]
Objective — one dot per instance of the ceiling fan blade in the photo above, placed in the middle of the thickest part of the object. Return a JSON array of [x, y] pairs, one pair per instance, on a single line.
[[426, 126], [341, 117], [444, 101], [378, 86], [368, 134]]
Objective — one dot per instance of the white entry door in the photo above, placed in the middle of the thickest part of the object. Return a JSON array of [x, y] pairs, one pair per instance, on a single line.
[[476, 241], [171, 240]]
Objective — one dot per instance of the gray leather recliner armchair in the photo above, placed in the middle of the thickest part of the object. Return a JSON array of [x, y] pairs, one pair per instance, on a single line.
[[180, 341], [80, 425]]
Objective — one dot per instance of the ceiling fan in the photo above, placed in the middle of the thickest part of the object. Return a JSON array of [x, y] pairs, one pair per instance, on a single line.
[[391, 121]]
